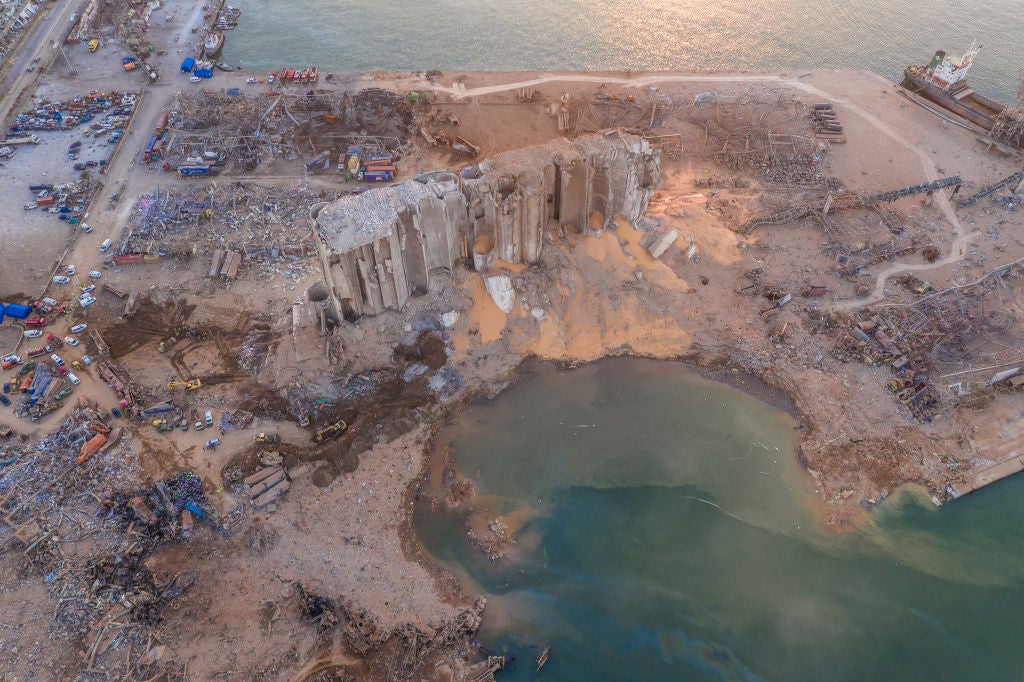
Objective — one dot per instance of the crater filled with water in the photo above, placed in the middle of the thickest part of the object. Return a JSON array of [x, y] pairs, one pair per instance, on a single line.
[[664, 531]]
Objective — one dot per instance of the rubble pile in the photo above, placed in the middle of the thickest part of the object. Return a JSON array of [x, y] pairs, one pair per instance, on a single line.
[[764, 130], [87, 527], [245, 130], [311, 399], [260, 224], [38, 391]]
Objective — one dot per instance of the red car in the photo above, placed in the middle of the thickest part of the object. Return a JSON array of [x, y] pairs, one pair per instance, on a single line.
[[54, 340], [36, 322]]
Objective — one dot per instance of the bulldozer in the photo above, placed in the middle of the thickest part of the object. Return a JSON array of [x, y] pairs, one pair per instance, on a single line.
[[261, 438], [190, 384], [332, 430]]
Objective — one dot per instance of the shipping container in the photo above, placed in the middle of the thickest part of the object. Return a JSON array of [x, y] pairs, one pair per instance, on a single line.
[[203, 73], [188, 64], [161, 122], [378, 176]]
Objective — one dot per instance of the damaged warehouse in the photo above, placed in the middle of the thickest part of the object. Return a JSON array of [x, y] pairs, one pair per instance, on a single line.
[[380, 247]]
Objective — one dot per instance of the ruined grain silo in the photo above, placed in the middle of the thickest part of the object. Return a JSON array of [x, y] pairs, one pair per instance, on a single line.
[[380, 247]]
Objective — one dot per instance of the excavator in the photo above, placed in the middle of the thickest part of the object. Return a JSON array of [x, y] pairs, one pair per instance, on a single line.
[[334, 429], [190, 384]]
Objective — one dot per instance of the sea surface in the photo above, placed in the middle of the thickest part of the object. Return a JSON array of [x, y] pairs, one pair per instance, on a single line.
[[509, 35], [667, 532]]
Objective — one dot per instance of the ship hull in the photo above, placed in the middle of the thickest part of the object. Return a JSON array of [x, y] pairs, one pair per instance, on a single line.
[[976, 109], [214, 43]]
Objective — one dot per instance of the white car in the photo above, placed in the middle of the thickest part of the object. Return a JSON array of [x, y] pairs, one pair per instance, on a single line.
[[95, 274], [86, 300], [250, 81], [29, 207], [79, 328], [32, 333], [270, 78], [57, 360], [70, 340], [89, 288], [73, 379], [86, 227], [195, 79], [71, 271], [61, 279]]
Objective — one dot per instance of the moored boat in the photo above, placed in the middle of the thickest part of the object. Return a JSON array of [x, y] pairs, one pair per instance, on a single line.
[[213, 43], [313, 75]]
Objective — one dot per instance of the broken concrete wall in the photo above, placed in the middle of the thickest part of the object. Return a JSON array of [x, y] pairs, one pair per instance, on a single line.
[[380, 247]]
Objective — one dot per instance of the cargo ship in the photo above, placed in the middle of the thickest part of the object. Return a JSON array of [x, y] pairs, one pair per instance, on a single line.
[[944, 81]]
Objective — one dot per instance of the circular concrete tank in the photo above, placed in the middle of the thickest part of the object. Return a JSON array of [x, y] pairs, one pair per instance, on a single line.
[[483, 253]]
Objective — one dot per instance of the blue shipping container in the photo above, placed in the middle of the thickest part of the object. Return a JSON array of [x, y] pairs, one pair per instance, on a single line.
[[378, 176], [18, 312], [1, 313], [188, 64], [203, 73]]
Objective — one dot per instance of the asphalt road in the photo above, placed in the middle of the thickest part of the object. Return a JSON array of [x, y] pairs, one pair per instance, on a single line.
[[39, 43]]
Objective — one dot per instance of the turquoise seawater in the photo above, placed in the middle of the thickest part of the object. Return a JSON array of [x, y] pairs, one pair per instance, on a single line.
[[880, 35], [669, 536]]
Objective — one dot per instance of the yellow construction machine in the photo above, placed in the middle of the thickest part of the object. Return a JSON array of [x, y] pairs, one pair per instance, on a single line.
[[332, 430], [261, 438], [190, 385]]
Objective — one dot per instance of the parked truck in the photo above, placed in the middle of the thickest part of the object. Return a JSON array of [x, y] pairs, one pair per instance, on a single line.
[[148, 152], [196, 169], [45, 305], [22, 139], [377, 174]]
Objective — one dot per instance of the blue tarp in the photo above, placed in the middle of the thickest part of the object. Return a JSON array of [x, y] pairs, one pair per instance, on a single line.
[[18, 312], [188, 64]]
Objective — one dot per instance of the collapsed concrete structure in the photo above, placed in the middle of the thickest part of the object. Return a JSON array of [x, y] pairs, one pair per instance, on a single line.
[[382, 246]]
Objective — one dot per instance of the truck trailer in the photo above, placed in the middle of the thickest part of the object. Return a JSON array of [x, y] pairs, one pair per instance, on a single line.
[[193, 170]]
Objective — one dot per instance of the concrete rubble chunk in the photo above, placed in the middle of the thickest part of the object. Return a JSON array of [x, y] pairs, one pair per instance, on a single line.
[[661, 244], [450, 318], [501, 290]]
